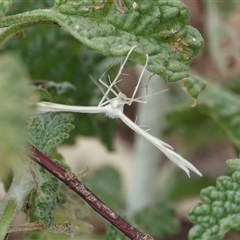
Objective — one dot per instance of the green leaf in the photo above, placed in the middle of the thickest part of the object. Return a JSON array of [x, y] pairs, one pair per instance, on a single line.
[[4, 6], [59, 91], [220, 210], [14, 108], [223, 107], [194, 85], [76, 65], [219, 104], [7, 217], [184, 188], [158, 28], [227, 7], [46, 131], [159, 220], [78, 62], [106, 183], [114, 233], [188, 124], [233, 164], [46, 199]]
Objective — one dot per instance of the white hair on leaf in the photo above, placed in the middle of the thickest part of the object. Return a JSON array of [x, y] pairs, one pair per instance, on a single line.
[[113, 108]]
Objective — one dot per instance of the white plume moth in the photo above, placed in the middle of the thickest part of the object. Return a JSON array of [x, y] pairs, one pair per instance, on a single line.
[[113, 108]]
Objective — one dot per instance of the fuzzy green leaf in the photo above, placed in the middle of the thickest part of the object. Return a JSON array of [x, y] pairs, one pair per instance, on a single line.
[[49, 130], [76, 65], [158, 28], [14, 109], [215, 101], [46, 199], [6, 217], [114, 233], [220, 210], [4, 6], [223, 106], [188, 123], [46, 131], [105, 182], [194, 85], [159, 220], [233, 164]]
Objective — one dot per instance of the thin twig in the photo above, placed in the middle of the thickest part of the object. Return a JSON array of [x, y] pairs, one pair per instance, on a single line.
[[70, 179]]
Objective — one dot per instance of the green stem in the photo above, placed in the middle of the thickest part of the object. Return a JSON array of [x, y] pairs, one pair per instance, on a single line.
[[7, 217], [8, 32], [147, 157], [14, 200], [36, 16], [11, 25]]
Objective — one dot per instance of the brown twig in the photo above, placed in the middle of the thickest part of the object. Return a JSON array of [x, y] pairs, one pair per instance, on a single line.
[[70, 179]]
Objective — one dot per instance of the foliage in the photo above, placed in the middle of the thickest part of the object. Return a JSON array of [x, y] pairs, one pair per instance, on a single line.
[[4, 7], [221, 105], [114, 29], [163, 213], [62, 43], [233, 164], [167, 25], [107, 184], [77, 63], [14, 96], [219, 211], [113, 233], [46, 131]]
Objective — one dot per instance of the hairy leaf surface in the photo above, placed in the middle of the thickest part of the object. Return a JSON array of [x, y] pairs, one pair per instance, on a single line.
[[49, 130], [159, 219], [114, 233], [4, 6], [46, 131], [106, 183], [157, 28], [14, 109], [220, 210], [221, 105]]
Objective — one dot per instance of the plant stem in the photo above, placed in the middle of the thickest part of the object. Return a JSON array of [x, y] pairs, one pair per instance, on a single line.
[[70, 180], [11, 25], [13, 202], [147, 157], [36, 16], [6, 217], [8, 32]]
